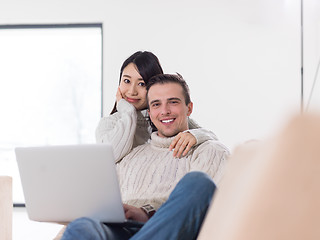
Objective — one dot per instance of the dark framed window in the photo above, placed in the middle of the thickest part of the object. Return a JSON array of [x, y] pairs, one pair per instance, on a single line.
[[50, 88]]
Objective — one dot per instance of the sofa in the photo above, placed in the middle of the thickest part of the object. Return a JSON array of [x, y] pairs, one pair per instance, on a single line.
[[271, 189], [5, 208]]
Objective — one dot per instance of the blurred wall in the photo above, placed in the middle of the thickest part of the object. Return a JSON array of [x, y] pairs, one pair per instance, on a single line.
[[241, 58]]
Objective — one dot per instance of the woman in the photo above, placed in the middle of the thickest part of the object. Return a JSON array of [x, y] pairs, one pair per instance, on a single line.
[[128, 124]]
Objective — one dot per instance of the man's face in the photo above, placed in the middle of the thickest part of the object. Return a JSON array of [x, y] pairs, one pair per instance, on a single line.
[[168, 110]]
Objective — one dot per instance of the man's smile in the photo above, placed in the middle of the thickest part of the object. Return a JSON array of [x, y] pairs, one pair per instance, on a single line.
[[168, 120]]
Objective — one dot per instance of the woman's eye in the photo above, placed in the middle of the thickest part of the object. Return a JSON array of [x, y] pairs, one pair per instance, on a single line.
[[126, 81], [142, 84]]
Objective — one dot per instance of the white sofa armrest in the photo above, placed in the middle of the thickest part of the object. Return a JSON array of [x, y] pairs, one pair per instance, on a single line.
[[6, 207]]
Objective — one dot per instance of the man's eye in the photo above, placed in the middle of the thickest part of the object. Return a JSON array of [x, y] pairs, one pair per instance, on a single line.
[[173, 102], [142, 84], [155, 105]]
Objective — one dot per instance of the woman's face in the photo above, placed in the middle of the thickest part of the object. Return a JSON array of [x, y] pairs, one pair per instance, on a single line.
[[133, 87]]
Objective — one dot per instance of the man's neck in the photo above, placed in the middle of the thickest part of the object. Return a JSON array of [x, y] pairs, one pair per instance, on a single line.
[[165, 136]]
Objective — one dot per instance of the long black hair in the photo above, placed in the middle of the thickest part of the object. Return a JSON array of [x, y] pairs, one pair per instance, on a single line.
[[148, 65]]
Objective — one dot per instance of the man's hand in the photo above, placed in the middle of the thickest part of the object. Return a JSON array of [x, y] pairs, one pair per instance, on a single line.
[[182, 143], [135, 213]]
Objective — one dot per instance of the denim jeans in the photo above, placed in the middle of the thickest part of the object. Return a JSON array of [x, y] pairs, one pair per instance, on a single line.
[[180, 217]]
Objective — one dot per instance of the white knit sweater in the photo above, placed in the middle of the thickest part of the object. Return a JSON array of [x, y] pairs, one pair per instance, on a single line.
[[149, 173], [129, 128]]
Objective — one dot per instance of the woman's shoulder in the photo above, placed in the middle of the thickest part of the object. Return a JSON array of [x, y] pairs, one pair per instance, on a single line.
[[213, 146], [193, 124]]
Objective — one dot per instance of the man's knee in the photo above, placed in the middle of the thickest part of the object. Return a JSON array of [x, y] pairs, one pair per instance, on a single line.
[[83, 222], [83, 228], [199, 181], [200, 177]]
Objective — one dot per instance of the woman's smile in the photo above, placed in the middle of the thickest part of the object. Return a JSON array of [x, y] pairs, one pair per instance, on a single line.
[[132, 100]]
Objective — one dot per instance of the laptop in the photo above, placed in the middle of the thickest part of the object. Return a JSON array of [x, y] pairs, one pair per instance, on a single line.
[[62, 183]]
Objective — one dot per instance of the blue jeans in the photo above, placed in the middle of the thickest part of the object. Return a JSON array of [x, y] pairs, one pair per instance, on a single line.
[[180, 217]]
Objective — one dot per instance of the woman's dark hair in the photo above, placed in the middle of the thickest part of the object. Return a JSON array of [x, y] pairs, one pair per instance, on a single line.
[[148, 65]]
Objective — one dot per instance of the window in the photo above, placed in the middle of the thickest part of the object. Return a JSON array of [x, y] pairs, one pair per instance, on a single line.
[[50, 89]]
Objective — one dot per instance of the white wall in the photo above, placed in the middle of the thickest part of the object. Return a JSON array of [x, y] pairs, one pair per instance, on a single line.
[[241, 58]]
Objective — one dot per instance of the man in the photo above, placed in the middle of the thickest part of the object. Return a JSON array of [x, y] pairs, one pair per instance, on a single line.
[[150, 173]]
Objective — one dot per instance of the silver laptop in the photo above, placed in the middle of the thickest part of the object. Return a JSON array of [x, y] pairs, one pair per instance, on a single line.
[[62, 183]]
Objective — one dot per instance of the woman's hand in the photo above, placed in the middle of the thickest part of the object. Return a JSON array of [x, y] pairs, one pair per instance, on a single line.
[[119, 95], [182, 143], [135, 213]]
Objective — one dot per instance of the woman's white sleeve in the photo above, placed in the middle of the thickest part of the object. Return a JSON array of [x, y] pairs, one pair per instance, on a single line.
[[200, 133], [118, 129]]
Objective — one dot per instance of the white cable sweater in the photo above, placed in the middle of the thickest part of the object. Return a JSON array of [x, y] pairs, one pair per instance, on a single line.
[[129, 128], [149, 173]]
